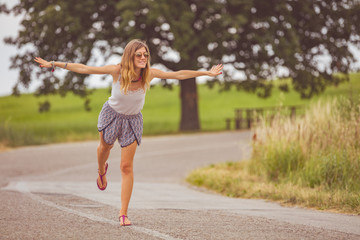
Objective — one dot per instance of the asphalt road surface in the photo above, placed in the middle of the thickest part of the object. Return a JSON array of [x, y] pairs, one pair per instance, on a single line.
[[50, 192]]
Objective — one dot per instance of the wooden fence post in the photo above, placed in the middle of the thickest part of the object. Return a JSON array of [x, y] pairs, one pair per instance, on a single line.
[[293, 112], [228, 122], [253, 115], [249, 117], [238, 118]]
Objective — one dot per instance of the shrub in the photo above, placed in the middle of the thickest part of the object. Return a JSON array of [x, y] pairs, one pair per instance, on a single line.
[[320, 149]]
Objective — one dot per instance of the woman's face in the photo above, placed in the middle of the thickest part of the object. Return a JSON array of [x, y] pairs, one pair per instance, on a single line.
[[141, 58]]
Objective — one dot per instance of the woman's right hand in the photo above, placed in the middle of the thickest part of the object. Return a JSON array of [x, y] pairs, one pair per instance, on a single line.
[[42, 62]]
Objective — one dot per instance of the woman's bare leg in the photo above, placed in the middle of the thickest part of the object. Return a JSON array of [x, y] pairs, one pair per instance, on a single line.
[[127, 177], [103, 152]]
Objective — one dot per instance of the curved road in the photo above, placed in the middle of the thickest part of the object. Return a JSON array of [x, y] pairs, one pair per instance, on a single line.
[[49, 192]]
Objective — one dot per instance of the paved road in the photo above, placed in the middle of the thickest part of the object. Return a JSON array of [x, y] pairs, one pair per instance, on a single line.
[[49, 192]]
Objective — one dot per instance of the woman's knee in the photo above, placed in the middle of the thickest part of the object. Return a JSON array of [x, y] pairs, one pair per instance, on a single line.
[[104, 147], [126, 168]]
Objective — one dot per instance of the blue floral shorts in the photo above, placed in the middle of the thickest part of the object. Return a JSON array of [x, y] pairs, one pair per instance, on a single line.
[[114, 125]]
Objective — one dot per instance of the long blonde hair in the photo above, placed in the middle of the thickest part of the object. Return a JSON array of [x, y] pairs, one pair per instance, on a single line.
[[127, 71]]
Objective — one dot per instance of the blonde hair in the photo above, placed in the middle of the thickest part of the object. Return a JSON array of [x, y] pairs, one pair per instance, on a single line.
[[127, 71]]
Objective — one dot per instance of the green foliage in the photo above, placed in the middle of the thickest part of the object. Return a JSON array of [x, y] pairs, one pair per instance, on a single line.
[[255, 37], [279, 161], [321, 149], [44, 106], [87, 105], [333, 170], [284, 87]]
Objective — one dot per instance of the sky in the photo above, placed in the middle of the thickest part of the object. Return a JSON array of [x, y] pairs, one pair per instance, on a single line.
[[10, 25]]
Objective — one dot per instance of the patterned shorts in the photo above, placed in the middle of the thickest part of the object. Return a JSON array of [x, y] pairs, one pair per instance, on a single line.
[[114, 125]]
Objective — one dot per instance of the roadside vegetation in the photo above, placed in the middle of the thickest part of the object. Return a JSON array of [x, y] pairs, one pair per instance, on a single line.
[[312, 161]]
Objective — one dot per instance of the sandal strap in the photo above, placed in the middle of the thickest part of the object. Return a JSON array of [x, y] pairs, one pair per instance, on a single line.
[[123, 218], [102, 175]]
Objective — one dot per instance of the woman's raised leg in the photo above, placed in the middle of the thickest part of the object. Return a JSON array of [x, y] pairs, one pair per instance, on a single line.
[[127, 179], [103, 152]]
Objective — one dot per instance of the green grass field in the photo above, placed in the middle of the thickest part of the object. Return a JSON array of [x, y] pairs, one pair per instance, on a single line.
[[22, 124]]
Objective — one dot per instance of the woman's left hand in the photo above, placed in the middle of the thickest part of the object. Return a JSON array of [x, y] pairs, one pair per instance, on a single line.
[[215, 70], [42, 62]]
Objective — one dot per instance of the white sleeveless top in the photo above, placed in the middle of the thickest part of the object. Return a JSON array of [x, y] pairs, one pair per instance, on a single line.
[[130, 103]]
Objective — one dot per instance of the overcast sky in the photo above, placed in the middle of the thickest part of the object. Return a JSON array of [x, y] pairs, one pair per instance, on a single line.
[[9, 26]]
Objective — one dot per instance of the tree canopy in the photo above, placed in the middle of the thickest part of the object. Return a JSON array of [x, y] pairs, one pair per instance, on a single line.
[[254, 38]]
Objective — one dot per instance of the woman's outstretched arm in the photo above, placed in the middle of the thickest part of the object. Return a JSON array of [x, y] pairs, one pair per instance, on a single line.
[[185, 74], [79, 68]]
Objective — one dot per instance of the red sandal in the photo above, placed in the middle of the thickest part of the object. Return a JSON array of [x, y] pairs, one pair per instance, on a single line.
[[123, 219], [101, 179]]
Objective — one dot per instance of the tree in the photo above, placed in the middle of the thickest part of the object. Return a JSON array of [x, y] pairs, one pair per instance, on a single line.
[[256, 38]]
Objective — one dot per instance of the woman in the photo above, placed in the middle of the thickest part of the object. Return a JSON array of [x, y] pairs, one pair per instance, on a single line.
[[120, 117]]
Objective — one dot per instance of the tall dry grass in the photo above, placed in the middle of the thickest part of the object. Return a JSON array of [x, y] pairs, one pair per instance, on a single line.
[[312, 161], [321, 149]]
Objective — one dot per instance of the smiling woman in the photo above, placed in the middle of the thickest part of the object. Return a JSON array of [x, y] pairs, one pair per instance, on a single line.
[[120, 118]]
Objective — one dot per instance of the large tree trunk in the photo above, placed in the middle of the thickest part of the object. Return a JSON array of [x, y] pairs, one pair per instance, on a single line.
[[189, 105]]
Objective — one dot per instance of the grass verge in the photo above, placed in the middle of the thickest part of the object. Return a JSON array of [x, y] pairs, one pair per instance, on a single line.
[[313, 161], [234, 179]]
